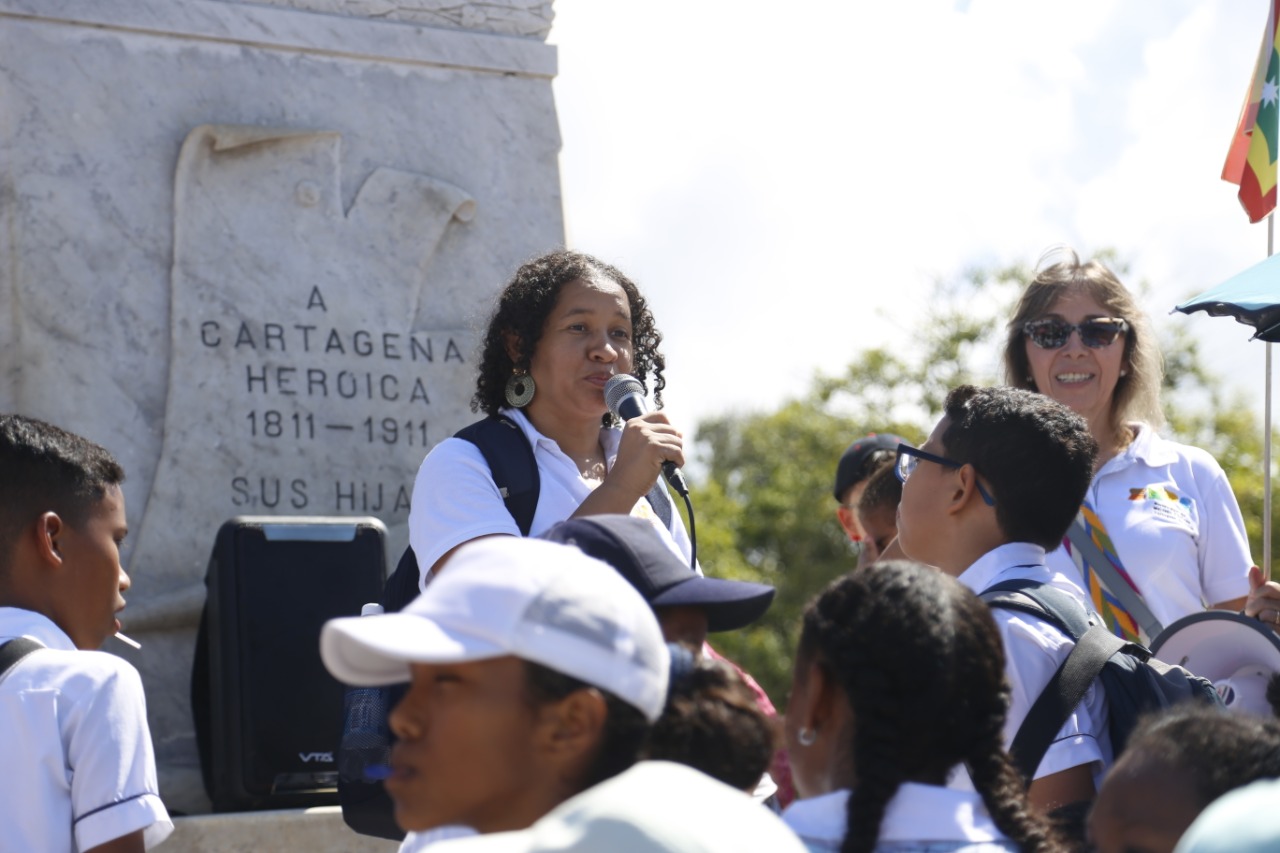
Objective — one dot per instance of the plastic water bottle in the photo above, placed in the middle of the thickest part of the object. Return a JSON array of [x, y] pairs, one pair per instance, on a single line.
[[366, 740]]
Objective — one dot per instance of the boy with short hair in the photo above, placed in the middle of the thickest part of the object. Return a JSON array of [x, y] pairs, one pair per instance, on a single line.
[[856, 465], [998, 482], [1174, 765], [79, 769], [878, 515]]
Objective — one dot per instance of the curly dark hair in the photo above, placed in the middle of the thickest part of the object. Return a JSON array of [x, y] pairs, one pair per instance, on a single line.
[[522, 311], [1218, 749], [884, 489], [920, 660], [44, 468], [1036, 453], [712, 723]]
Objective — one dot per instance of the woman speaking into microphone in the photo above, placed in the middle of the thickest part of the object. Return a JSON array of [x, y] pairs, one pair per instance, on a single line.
[[564, 325]]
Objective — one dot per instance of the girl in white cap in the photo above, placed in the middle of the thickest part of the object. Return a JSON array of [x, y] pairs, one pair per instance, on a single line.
[[535, 672]]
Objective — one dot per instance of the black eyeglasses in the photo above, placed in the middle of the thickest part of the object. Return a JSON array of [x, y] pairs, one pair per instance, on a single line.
[[909, 457], [1052, 333]]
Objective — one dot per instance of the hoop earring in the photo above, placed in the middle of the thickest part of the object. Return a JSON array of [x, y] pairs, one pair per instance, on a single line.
[[520, 388], [807, 736]]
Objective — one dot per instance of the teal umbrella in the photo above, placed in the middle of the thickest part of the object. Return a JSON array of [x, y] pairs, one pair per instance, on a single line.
[[1253, 298]]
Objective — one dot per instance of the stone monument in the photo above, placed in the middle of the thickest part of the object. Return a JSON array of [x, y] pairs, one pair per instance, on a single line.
[[248, 248]]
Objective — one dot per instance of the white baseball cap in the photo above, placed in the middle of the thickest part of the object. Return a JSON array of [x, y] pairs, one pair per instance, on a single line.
[[505, 595], [654, 807]]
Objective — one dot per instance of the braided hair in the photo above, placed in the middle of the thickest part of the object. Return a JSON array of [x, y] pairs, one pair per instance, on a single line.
[[920, 661], [522, 311]]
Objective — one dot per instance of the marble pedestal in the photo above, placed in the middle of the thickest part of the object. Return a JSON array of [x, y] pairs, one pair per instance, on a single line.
[[247, 248]]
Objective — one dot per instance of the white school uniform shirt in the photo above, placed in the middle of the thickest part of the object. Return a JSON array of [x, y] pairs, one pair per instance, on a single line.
[[455, 499], [76, 764], [924, 817], [1034, 650], [414, 842], [1175, 524]]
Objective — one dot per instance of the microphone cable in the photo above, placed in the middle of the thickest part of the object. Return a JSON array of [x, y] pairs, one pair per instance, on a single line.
[[693, 531]]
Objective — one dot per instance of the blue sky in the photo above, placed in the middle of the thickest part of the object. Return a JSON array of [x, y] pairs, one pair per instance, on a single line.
[[779, 176]]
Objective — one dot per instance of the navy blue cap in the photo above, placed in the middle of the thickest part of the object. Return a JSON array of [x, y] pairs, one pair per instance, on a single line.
[[853, 464], [636, 550]]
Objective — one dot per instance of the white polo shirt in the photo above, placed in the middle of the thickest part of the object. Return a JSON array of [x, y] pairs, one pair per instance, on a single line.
[[455, 499], [78, 768], [917, 814], [1033, 652], [1175, 524], [416, 841]]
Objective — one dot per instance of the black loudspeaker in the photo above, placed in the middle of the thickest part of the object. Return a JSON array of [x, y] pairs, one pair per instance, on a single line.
[[268, 715]]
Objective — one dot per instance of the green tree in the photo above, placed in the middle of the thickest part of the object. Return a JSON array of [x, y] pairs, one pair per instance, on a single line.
[[765, 510]]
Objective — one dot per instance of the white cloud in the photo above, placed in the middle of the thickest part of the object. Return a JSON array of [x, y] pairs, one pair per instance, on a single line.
[[775, 176]]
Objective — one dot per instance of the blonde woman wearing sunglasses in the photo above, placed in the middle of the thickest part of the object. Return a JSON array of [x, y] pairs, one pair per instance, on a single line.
[[1161, 513]]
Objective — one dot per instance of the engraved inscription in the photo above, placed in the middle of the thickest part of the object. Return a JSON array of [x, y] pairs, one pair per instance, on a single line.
[[308, 375], [312, 384]]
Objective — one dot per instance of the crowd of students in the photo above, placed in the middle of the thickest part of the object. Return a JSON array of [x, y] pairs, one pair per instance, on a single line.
[[562, 691]]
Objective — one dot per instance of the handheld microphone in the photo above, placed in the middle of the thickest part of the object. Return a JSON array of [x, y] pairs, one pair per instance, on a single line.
[[624, 395]]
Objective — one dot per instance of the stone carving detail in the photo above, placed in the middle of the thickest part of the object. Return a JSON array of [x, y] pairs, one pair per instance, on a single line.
[[199, 302], [296, 385], [527, 18]]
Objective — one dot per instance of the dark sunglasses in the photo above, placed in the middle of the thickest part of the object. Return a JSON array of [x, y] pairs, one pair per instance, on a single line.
[[1052, 333]]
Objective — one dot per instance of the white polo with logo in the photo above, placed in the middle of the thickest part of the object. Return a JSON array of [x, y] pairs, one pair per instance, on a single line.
[[1175, 524]]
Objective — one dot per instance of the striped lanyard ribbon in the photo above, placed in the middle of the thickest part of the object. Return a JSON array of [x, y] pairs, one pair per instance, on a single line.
[[1118, 620]]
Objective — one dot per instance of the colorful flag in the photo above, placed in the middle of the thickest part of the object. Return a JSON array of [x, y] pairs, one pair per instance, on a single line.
[[1251, 160]]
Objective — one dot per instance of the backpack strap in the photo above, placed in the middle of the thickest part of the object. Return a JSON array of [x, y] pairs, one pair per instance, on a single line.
[[509, 456], [403, 584], [1102, 566], [1060, 697], [1043, 602], [14, 651], [1094, 646], [515, 472]]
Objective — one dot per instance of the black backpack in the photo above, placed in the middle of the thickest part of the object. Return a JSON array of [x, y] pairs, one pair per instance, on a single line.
[[1135, 682], [515, 472], [15, 650], [366, 741]]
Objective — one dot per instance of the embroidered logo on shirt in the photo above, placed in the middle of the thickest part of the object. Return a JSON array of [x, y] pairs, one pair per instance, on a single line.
[[1158, 493], [1166, 504]]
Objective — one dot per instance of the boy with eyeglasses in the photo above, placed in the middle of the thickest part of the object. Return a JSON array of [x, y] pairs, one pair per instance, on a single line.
[[997, 483]]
